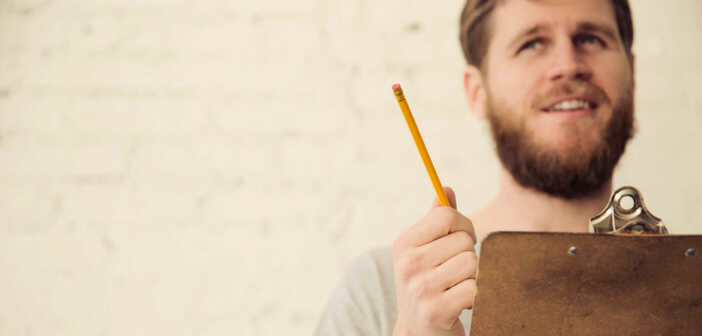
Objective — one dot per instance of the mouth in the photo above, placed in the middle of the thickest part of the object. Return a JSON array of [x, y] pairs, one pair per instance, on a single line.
[[580, 104]]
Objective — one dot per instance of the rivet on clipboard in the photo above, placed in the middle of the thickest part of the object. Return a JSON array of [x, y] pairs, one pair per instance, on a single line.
[[626, 213]]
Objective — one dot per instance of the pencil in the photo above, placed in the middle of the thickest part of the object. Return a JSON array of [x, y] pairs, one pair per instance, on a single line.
[[400, 96]]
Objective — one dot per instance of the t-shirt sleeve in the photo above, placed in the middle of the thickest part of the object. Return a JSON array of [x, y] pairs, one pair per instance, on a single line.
[[363, 303]]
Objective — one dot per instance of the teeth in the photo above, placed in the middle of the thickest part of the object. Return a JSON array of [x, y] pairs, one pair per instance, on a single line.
[[575, 104]]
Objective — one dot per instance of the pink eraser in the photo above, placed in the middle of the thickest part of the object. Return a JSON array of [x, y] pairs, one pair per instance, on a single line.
[[395, 87]]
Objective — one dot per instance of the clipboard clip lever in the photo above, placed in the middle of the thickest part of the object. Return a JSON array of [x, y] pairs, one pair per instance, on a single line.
[[627, 214]]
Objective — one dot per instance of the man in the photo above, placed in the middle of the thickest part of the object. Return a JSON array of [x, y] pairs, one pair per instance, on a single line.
[[554, 78]]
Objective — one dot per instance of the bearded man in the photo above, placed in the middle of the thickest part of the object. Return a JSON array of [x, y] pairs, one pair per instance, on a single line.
[[555, 81]]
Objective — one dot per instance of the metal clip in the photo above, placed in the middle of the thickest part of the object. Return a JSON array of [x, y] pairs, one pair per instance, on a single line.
[[626, 213]]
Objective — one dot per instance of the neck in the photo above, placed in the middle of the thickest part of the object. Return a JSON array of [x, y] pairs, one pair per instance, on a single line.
[[517, 208]]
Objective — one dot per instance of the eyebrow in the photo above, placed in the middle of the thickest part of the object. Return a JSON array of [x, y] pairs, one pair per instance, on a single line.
[[597, 28], [535, 29]]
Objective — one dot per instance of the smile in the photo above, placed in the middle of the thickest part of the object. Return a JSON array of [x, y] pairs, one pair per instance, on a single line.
[[570, 104]]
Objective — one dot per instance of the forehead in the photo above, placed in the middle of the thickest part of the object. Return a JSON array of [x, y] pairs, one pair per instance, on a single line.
[[513, 16]]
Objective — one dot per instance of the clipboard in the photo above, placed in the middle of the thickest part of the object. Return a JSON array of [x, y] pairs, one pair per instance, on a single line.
[[545, 283]]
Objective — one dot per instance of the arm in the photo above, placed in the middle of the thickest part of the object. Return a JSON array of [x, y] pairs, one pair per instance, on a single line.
[[364, 301]]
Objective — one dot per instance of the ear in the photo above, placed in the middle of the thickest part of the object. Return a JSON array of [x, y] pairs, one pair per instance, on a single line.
[[475, 91]]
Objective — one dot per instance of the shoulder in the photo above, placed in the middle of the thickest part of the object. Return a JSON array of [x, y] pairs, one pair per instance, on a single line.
[[363, 303], [369, 280], [375, 265]]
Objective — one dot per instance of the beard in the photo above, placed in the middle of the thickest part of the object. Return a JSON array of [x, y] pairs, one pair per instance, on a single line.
[[574, 170]]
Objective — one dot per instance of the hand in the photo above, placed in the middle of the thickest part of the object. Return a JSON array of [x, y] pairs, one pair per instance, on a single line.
[[435, 266]]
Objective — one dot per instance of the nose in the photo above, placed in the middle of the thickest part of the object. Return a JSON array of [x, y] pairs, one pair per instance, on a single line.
[[568, 64]]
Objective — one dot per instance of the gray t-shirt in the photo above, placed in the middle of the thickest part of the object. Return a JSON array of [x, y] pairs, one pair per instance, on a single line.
[[364, 302]]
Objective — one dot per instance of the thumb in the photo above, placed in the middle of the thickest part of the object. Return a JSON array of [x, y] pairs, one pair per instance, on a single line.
[[449, 194]]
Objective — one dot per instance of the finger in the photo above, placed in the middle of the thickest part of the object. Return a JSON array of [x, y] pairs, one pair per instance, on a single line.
[[455, 270], [460, 296], [449, 194], [436, 224], [444, 248]]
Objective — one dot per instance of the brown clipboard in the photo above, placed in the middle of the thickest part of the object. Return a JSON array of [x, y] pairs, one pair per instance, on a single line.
[[532, 283]]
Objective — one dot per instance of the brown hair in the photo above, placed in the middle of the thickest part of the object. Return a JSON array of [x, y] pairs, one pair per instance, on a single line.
[[475, 31]]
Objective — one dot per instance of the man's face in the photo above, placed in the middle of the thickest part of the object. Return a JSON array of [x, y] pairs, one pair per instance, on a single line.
[[559, 91]]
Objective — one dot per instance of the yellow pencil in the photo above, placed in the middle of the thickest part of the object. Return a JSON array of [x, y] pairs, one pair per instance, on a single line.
[[420, 144]]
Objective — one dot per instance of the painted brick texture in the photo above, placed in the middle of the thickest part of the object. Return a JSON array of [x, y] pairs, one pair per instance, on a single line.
[[211, 167]]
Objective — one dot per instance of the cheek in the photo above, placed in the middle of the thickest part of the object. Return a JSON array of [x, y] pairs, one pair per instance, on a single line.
[[511, 90], [616, 79]]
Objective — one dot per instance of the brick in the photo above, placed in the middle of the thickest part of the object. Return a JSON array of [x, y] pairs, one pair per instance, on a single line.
[[63, 161]]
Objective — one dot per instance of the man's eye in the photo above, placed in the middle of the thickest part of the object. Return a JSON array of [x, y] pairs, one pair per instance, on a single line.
[[533, 45], [588, 39]]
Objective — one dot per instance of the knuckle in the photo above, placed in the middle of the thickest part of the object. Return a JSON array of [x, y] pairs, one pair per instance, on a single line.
[[469, 229], [403, 273], [465, 258], [467, 220], [446, 216], [412, 259], [400, 245], [465, 238], [471, 262], [469, 257], [414, 256], [418, 288], [408, 264], [462, 298]]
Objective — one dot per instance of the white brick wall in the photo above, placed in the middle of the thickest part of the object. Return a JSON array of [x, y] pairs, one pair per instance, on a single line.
[[211, 167]]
